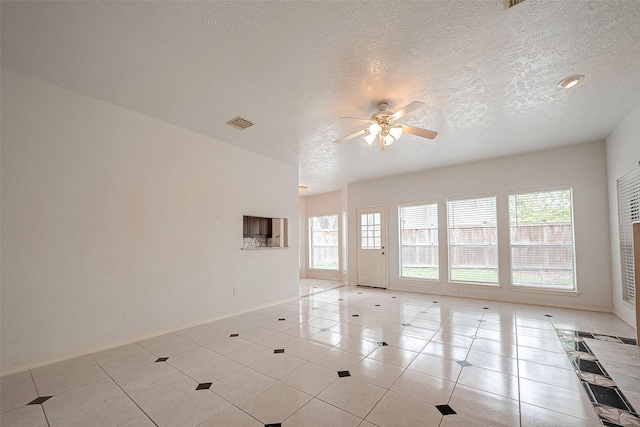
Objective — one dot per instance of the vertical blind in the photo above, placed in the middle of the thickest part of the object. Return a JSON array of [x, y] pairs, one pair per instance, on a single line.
[[629, 212], [542, 247], [473, 240], [419, 241]]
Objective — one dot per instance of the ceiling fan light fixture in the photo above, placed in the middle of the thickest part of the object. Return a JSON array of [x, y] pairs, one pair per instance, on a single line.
[[374, 129], [570, 82], [370, 138], [388, 140], [396, 131]]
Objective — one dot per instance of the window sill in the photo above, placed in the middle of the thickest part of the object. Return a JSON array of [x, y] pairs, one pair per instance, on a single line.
[[420, 280], [563, 292], [324, 269], [476, 285]]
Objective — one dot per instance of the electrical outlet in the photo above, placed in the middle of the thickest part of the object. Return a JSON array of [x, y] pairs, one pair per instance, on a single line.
[[236, 290]]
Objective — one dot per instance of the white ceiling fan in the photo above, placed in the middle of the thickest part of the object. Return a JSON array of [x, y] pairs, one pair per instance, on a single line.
[[382, 125]]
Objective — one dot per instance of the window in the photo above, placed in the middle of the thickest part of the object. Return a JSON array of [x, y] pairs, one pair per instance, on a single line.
[[628, 212], [370, 231], [473, 240], [323, 242], [542, 248], [419, 241]]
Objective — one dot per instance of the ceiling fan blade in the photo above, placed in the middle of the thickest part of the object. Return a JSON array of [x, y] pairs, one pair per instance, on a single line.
[[425, 133], [353, 135], [356, 118], [407, 109]]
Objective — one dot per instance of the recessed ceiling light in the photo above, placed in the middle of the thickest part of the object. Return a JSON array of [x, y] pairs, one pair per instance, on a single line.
[[570, 82], [302, 187]]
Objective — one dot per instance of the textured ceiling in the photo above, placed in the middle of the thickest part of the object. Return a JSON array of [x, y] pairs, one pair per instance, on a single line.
[[488, 76]]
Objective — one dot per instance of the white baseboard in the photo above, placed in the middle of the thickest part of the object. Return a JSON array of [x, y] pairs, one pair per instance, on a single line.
[[34, 365]]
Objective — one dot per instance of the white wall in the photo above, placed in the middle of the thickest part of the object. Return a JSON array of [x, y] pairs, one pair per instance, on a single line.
[[116, 226], [583, 167], [319, 205], [623, 154]]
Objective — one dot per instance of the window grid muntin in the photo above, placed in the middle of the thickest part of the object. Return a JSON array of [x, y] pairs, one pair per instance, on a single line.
[[548, 218], [473, 213], [428, 224], [370, 231]]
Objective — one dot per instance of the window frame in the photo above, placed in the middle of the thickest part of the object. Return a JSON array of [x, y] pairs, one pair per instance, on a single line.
[[437, 245], [486, 285], [543, 288], [311, 244], [625, 239]]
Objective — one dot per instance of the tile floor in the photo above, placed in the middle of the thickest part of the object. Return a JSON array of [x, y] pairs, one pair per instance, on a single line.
[[351, 357]]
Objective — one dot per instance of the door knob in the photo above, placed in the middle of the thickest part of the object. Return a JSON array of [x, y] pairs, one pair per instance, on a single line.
[[382, 253]]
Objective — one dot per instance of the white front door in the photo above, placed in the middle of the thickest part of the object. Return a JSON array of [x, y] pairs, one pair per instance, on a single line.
[[371, 238]]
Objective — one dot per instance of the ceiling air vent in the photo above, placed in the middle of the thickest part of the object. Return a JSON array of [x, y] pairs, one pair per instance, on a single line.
[[239, 123], [510, 3]]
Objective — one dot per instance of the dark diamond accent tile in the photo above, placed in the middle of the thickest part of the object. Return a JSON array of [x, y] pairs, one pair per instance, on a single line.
[[394, 297], [359, 293], [485, 308], [273, 425], [580, 346], [628, 340], [435, 302], [463, 363], [233, 335], [377, 305], [324, 329], [382, 343], [548, 315], [39, 400], [445, 409], [340, 299], [406, 324], [585, 334], [278, 350], [344, 374], [590, 366], [204, 386], [281, 319], [162, 359], [606, 423], [607, 396], [355, 315], [314, 308]]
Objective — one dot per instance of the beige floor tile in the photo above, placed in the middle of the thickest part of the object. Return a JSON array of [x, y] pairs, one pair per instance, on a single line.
[[535, 416], [496, 336], [190, 410], [141, 421], [489, 381], [569, 402], [553, 345], [277, 365], [17, 397], [232, 417], [337, 360], [250, 354], [306, 350], [133, 359], [495, 347], [13, 382], [398, 410], [393, 356], [445, 351], [112, 412], [559, 360], [495, 362], [163, 391], [424, 387], [227, 345], [485, 407], [406, 342], [144, 375], [358, 346], [352, 395], [201, 333], [257, 334], [66, 382], [68, 366], [240, 384], [168, 345], [436, 366], [375, 372], [279, 340], [117, 352], [191, 358], [275, 403], [24, 416], [213, 370], [80, 398], [327, 338], [310, 378], [317, 413], [560, 377], [457, 420]]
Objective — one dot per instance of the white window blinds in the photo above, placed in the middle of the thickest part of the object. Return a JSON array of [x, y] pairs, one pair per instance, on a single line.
[[628, 212], [542, 246], [473, 240], [323, 242], [419, 241]]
